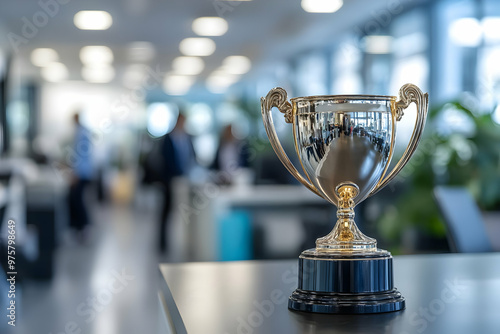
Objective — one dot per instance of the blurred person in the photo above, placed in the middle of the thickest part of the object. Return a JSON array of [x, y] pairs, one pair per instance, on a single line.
[[82, 174], [231, 155], [176, 158]]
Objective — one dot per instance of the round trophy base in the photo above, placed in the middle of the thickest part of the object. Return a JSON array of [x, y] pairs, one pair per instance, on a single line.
[[346, 303], [354, 283]]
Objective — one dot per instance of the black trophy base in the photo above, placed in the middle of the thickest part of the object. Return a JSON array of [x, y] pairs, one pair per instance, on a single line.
[[348, 303], [346, 284]]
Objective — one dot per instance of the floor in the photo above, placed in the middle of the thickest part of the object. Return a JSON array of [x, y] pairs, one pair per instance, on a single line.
[[104, 286]]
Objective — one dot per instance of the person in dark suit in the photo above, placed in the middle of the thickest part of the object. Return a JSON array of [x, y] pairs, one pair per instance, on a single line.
[[177, 158], [232, 153]]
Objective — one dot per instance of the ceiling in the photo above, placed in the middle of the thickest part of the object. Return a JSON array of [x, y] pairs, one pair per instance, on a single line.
[[267, 31]]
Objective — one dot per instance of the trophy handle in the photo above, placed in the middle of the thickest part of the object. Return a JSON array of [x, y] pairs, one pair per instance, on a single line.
[[407, 94], [277, 97]]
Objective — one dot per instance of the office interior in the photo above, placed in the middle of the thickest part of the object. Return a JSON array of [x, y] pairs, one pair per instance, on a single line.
[[131, 134]]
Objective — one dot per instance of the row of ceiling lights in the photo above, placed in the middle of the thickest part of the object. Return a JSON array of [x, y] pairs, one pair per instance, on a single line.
[[180, 80], [186, 67], [97, 64], [97, 60]]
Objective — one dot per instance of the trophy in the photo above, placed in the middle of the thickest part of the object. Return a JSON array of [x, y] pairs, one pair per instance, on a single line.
[[344, 145]]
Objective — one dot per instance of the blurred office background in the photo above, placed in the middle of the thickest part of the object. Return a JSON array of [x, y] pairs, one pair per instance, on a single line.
[[135, 69]]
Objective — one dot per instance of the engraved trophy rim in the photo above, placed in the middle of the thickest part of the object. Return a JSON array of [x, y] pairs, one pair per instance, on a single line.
[[343, 97]]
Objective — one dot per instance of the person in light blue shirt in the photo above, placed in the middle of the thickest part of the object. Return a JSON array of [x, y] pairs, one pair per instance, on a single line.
[[81, 163]]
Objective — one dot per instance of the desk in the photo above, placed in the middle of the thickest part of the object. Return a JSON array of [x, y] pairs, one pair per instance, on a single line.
[[204, 224], [445, 293]]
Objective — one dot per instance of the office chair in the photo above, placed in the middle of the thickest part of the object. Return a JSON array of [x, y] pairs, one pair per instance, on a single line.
[[466, 231]]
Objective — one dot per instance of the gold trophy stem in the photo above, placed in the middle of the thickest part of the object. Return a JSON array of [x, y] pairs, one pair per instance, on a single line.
[[346, 236], [345, 213]]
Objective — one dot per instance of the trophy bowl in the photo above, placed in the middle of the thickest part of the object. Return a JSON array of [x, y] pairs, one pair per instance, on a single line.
[[344, 144]]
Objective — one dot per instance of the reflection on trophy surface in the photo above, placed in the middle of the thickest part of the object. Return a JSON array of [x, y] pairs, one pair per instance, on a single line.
[[345, 144], [338, 145]]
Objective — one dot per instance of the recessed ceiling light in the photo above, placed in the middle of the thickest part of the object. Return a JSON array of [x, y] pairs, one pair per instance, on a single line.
[[93, 20], [188, 65], [376, 44], [219, 81], [197, 46], [321, 6], [98, 74], [43, 56], [55, 72], [210, 26], [177, 84], [97, 54], [134, 75], [236, 64], [141, 51]]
